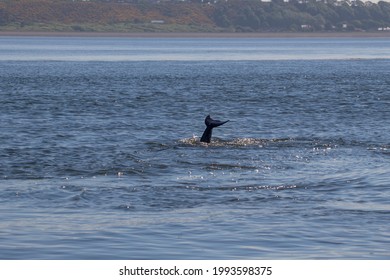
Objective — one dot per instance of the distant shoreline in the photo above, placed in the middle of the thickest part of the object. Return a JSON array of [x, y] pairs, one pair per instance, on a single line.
[[201, 34]]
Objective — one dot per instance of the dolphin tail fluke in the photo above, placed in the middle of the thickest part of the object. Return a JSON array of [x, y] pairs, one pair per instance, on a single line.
[[210, 123]]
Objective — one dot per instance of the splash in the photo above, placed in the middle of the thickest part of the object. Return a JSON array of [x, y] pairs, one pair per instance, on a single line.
[[237, 142], [217, 142]]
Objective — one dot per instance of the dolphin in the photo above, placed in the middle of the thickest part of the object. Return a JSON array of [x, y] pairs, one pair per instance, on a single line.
[[210, 123]]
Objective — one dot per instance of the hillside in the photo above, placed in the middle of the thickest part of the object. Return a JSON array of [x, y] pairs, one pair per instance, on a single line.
[[195, 15]]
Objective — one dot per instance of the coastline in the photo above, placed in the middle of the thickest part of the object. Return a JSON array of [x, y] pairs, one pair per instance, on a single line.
[[199, 34]]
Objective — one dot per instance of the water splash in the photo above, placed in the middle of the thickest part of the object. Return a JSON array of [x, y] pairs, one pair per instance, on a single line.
[[237, 142]]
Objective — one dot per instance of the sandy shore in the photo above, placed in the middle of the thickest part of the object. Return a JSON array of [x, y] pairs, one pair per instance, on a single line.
[[201, 35]]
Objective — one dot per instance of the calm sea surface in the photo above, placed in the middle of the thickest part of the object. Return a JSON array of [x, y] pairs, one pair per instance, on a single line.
[[100, 155]]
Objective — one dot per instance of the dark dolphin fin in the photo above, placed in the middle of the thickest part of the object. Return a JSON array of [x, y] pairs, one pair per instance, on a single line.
[[213, 123], [210, 123], [206, 137]]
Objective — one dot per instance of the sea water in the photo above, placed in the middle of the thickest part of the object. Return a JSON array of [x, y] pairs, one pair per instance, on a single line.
[[100, 155]]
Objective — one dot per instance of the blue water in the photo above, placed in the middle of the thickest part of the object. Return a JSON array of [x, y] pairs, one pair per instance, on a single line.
[[100, 155]]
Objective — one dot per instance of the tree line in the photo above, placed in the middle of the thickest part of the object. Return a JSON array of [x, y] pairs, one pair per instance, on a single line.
[[225, 15], [299, 15]]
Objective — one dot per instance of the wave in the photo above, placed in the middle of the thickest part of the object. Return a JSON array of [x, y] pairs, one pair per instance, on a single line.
[[314, 142], [383, 149], [237, 142]]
